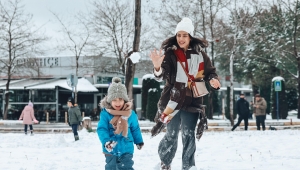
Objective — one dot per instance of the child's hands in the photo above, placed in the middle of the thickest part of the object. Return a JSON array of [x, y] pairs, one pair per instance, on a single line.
[[110, 145], [140, 145], [127, 106]]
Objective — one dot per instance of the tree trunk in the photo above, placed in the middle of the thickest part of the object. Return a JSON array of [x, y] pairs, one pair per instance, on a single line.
[[130, 67], [6, 97], [298, 60], [75, 94], [231, 87]]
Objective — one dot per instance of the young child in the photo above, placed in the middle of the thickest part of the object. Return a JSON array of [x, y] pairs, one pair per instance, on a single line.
[[118, 128], [28, 116]]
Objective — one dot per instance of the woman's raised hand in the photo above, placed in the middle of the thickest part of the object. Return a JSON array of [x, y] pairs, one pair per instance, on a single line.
[[157, 58]]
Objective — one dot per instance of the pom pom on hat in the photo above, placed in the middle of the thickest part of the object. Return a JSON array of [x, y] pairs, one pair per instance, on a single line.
[[117, 90], [185, 25], [30, 104]]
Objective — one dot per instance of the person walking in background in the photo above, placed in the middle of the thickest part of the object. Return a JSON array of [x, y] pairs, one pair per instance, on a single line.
[[259, 109], [183, 61], [75, 117], [242, 108], [28, 116], [118, 128]]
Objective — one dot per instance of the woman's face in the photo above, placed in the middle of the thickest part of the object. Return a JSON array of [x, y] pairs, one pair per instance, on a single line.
[[117, 103], [183, 39]]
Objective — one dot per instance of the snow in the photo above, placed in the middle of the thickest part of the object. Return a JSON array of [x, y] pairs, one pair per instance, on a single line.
[[216, 150], [135, 57], [153, 90], [148, 76], [278, 78], [86, 118], [83, 85]]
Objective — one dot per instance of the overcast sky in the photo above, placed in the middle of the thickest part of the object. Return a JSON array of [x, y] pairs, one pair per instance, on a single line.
[[41, 11]]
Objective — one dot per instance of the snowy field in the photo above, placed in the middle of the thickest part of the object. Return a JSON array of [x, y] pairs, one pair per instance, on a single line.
[[238, 150]]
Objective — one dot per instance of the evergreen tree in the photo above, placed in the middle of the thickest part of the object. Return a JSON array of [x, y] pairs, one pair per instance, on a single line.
[[147, 84], [291, 98], [153, 97]]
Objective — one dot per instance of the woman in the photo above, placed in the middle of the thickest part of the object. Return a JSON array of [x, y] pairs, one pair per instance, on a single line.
[[177, 107], [28, 117]]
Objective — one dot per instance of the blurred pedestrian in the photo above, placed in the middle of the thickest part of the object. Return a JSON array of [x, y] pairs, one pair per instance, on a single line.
[[242, 108], [75, 118], [259, 109], [28, 117]]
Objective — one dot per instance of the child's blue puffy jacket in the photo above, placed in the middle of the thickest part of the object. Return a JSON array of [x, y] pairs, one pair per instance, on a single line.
[[105, 132]]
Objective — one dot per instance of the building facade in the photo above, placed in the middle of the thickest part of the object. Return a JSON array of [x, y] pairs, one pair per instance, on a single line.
[[43, 81]]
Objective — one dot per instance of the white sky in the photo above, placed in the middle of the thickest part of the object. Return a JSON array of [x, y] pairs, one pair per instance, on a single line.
[[238, 150], [41, 11]]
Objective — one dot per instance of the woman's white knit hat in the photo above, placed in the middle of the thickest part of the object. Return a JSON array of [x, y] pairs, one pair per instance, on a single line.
[[117, 90], [185, 25]]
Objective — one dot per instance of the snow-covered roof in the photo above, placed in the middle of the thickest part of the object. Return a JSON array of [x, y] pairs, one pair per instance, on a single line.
[[83, 85], [148, 76], [278, 78], [20, 84]]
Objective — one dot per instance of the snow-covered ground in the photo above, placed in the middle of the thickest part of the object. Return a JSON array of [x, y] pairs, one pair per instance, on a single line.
[[238, 150]]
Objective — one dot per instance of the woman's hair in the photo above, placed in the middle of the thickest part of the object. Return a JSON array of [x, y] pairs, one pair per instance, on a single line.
[[196, 43]]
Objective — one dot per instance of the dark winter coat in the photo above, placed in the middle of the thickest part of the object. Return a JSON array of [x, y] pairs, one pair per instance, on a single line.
[[169, 73], [261, 106], [74, 115], [242, 107]]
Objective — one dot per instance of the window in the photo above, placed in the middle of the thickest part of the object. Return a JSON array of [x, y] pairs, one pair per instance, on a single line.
[[44, 96], [19, 96]]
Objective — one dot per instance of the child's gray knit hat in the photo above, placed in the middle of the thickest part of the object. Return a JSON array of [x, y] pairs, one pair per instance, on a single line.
[[116, 90]]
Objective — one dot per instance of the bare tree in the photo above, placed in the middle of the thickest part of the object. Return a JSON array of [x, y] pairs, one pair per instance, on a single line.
[[113, 28], [18, 39], [130, 66], [209, 10], [76, 41], [235, 34]]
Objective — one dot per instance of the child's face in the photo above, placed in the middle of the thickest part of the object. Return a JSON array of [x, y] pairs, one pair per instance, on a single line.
[[117, 103]]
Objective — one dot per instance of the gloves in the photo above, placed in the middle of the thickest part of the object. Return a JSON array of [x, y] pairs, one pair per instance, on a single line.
[[140, 145], [80, 123], [69, 123], [164, 118], [110, 145]]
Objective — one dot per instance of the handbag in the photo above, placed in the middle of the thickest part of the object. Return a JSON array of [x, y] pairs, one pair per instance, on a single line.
[[198, 87]]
